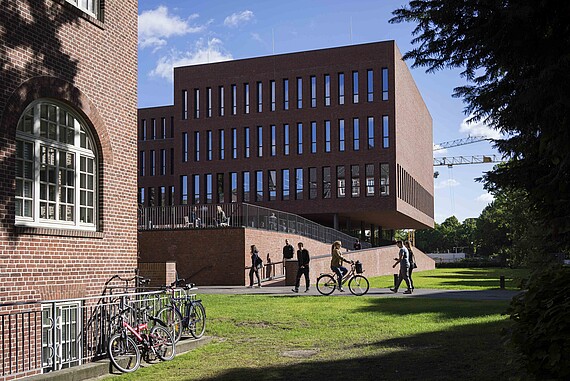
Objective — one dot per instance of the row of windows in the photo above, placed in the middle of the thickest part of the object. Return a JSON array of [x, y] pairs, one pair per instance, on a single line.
[[156, 130], [285, 184], [56, 169], [280, 91], [413, 193], [291, 140]]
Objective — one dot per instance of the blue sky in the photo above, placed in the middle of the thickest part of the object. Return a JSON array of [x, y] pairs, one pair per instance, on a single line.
[[184, 32]]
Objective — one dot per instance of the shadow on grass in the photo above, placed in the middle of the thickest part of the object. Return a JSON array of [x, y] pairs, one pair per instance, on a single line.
[[467, 352]]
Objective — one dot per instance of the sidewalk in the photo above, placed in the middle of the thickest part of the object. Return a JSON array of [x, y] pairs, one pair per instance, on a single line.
[[278, 289]]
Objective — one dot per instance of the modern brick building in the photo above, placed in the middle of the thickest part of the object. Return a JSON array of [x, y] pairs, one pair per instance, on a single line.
[[341, 136], [67, 169]]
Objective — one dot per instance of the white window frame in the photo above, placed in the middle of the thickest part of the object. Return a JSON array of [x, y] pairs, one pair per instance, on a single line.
[[85, 181], [91, 7]]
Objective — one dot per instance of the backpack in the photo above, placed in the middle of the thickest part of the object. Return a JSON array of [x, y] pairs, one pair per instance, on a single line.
[[258, 262]]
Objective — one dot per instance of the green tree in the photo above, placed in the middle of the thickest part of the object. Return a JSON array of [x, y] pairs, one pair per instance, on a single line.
[[515, 58]]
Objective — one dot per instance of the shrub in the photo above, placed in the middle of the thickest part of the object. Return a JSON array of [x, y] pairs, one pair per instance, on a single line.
[[540, 334]]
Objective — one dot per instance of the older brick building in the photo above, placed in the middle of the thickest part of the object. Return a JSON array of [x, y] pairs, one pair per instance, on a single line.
[[67, 158], [341, 136]]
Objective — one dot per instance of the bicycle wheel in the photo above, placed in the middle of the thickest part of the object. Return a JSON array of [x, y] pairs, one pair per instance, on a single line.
[[124, 353], [173, 320], [162, 342], [197, 320], [326, 284], [358, 285]]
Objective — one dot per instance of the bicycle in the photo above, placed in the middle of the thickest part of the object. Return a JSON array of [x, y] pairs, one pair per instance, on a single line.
[[184, 314], [125, 345], [357, 283]]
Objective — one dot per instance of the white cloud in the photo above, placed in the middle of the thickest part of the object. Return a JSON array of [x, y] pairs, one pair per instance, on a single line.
[[234, 20], [256, 37], [478, 129], [446, 184], [209, 52], [485, 198], [156, 25]]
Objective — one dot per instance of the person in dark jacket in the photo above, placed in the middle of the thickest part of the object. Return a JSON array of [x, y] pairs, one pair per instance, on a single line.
[[288, 251], [303, 260], [256, 264]]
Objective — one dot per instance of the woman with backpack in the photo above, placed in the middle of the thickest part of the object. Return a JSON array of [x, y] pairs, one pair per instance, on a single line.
[[256, 264]]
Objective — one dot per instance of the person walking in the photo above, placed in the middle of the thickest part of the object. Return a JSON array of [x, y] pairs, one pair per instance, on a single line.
[[404, 261], [303, 260], [336, 263], [256, 264], [413, 264], [357, 245]]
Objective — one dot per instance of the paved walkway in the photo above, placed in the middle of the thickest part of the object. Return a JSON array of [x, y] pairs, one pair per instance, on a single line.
[[279, 289]]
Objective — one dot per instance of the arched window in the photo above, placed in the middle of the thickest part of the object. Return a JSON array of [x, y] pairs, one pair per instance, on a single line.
[[56, 169]]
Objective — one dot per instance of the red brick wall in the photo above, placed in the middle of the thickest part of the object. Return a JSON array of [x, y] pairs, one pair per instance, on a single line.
[[53, 50], [220, 256]]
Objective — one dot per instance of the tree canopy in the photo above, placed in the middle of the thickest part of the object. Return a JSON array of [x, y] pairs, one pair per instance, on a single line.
[[515, 57]]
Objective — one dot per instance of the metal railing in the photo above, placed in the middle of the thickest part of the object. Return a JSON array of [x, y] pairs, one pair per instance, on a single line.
[[237, 215]]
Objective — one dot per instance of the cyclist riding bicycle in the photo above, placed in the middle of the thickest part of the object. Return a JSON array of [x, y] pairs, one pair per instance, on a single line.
[[336, 263]]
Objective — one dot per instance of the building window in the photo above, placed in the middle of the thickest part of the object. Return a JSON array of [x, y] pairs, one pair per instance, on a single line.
[[142, 163], [340, 88], [341, 135], [172, 161], [162, 196], [259, 97], [313, 137], [184, 104], [56, 169], [285, 94], [298, 183], [92, 7], [183, 190], [141, 197], [196, 146], [222, 145], [385, 132], [246, 98], [299, 138], [340, 182], [355, 134], [196, 103], [246, 142], [385, 84], [220, 187], [143, 129], [234, 143], [163, 128], [234, 186], [312, 183], [234, 99], [354, 87], [171, 195], [151, 196], [184, 147], [153, 129], [355, 180], [208, 145], [370, 132], [272, 87], [221, 100], [327, 90], [245, 195], [299, 92], [196, 183], [369, 179], [370, 85], [152, 163], [209, 102], [162, 162], [286, 139], [327, 136], [273, 140], [285, 184], [313, 91], [209, 185], [272, 178], [259, 141], [171, 126], [326, 182], [258, 185], [384, 179]]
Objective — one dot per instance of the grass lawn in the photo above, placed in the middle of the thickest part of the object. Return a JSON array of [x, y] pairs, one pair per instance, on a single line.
[[257, 337], [459, 279]]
